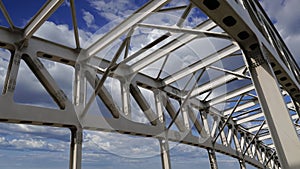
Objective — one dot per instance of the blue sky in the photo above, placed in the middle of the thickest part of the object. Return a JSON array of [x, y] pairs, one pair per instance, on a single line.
[[34, 147]]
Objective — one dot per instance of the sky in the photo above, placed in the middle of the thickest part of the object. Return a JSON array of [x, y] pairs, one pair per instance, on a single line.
[[34, 147]]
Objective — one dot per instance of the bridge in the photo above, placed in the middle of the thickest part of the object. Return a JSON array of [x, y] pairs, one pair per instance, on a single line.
[[226, 83]]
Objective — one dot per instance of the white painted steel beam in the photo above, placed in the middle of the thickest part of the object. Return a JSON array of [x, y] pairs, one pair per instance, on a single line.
[[239, 75], [202, 64], [106, 98], [75, 25], [142, 102], [6, 15], [253, 29], [12, 73], [287, 144], [255, 128], [122, 125], [16, 113], [264, 137], [76, 148], [79, 89], [216, 83], [212, 159], [172, 112], [126, 103], [196, 123], [185, 116], [258, 115], [127, 24], [175, 29], [165, 155], [241, 107], [231, 95], [46, 80], [37, 21], [43, 48], [184, 15], [166, 49], [250, 118]]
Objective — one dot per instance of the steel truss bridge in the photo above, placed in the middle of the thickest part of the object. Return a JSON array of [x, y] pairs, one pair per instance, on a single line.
[[250, 120]]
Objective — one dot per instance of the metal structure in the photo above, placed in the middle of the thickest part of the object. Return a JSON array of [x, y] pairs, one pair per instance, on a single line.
[[251, 121]]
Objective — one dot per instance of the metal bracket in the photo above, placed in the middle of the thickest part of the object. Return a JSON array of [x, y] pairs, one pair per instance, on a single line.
[[256, 58]]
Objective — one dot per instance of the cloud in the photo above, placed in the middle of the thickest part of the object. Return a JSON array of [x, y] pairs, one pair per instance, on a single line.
[[120, 145], [57, 33], [20, 136], [67, 2], [286, 16], [97, 144], [177, 3], [63, 34], [114, 9], [4, 59], [89, 19]]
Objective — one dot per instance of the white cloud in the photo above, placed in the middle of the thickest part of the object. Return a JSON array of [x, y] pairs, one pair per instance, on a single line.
[[120, 145], [20, 137], [178, 3], [4, 59], [3, 141], [63, 34], [21, 143], [287, 20], [67, 2], [89, 19], [56, 33], [114, 9]]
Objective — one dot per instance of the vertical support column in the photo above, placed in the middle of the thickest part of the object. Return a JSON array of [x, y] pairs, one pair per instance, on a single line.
[[242, 164], [248, 146], [159, 106], [163, 142], [269, 161], [276, 166], [237, 142], [79, 88], [223, 138], [205, 122], [229, 135], [282, 130], [12, 73], [259, 154], [212, 159], [165, 156], [76, 148], [126, 99], [185, 116], [242, 143]]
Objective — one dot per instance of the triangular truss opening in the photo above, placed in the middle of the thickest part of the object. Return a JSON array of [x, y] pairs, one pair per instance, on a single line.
[[30, 91]]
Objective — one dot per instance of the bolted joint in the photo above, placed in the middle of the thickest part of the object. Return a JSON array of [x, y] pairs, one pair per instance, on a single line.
[[255, 58], [77, 137]]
